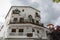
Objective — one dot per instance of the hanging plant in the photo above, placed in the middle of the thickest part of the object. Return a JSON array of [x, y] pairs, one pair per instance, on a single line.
[[16, 11]]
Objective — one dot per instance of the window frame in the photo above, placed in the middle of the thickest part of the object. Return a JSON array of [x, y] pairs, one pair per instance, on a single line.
[[15, 19], [37, 15], [37, 22], [33, 30], [29, 34], [37, 31], [21, 30], [13, 30], [21, 20]]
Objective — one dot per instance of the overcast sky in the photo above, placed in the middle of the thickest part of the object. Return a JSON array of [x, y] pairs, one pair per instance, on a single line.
[[50, 12]]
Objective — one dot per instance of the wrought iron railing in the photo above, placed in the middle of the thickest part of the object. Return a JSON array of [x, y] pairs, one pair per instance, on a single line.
[[20, 34], [15, 34], [27, 22]]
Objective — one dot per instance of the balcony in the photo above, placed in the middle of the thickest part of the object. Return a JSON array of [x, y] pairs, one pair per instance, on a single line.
[[21, 35], [16, 34], [38, 24], [28, 21], [13, 33], [37, 18]]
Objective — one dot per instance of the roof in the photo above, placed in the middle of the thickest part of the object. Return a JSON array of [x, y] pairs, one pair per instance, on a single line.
[[50, 25], [21, 6]]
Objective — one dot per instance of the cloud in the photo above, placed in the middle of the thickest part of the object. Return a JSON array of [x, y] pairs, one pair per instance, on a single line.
[[57, 22], [4, 7], [19, 2], [49, 11]]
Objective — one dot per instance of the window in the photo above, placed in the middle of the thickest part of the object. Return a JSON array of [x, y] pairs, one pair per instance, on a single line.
[[13, 30], [21, 30], [21, 20], [33, 30], [37, 15], [15, 19], [37, 22], [29, 34], [32, 20], [42, 24], [30, 17], [37, 31], [23, 10]]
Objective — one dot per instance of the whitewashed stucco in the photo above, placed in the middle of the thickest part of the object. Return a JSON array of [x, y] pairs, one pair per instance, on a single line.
[[27, 27]]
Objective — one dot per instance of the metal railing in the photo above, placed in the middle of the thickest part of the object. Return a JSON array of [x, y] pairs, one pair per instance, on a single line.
[[20, 34], [38, 24], [15, 34]]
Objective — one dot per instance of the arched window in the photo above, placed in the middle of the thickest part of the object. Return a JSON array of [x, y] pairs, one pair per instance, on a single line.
[[37, 15], [30, 17]]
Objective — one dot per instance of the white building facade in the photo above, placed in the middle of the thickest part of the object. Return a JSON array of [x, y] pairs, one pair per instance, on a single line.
[[23, 23]]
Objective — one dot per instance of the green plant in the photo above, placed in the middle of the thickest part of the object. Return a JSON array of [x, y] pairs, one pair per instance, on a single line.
[[57, 1]]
